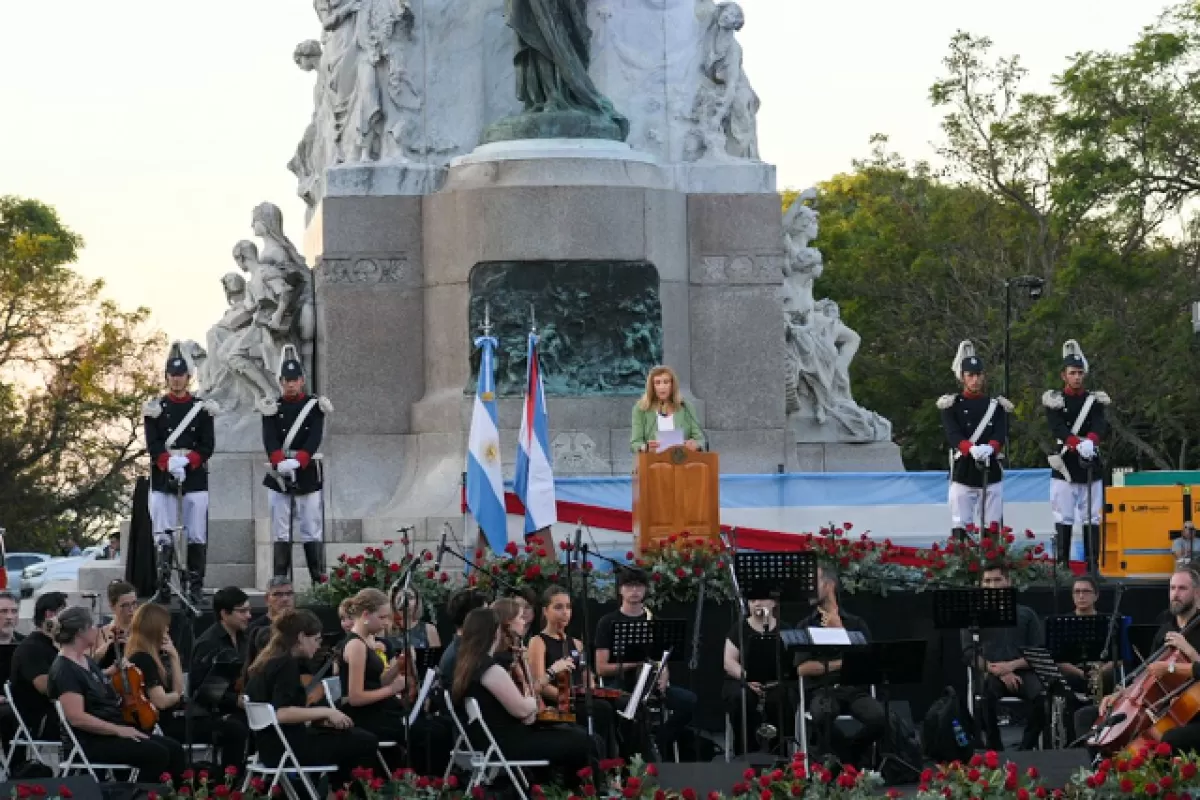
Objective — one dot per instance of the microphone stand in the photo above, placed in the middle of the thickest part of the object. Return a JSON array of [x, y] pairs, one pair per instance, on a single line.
[[587, 641], [738, 611], [496, 579], [192, 614], [1111, 647]]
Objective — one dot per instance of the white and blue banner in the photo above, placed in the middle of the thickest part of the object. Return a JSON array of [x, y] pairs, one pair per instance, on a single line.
[[534, 480], [485, 480]]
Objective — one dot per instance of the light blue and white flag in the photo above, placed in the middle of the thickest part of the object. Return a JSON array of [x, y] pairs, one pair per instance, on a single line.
[[485, 480], [534, 481]]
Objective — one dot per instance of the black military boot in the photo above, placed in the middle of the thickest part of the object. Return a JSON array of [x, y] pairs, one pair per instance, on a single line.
[[166, 561], [282, 560], [1091, 547], [1062, 543], [312, 557], [197, 556]]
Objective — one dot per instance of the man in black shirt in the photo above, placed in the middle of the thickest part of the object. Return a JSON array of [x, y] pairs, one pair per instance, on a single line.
[[281, 598], [9, 616], [1003, 664], [632, 586], [829, 698], [31, 665], [224, 643]]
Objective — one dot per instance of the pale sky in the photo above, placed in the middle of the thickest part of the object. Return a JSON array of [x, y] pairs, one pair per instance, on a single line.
[[155, 126]]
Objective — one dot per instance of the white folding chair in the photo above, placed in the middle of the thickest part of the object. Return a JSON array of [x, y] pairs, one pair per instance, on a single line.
[[77, 759], [461, 753], [493, 757], [23, 738], [262, 716], [333, 693], [803, 717]]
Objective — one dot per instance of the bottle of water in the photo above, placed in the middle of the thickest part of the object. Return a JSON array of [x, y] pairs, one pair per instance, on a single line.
[[960, 735]]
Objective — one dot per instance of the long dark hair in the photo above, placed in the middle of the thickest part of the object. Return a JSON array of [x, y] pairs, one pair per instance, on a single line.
[[285, 632], [478, 636]]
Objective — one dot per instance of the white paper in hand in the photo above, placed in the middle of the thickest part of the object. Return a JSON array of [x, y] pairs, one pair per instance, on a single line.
[[671, 438], [666, 422]]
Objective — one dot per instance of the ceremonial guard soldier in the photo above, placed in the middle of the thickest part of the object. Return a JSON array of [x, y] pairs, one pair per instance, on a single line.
[[976, 428], [1076, 418], [180, 439], [292, 428]]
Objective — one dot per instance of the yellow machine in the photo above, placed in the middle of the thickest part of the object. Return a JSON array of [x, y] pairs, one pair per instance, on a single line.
[[1138, 523]]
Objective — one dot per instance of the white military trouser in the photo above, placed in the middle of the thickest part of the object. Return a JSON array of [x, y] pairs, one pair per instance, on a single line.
[[1069, 502], [964, 505], [164, 516], [308, 516]]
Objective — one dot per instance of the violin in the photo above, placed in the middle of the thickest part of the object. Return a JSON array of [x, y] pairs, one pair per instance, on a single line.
[[410, 676], [1148, 707], [130, 685], [314, 687]]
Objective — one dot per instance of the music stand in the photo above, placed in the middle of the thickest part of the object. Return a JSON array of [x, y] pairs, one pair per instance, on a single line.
[[971, 610], [762, 665], [886, 664], [1074, 640], [427, 658], [780, 576], [637, 640]]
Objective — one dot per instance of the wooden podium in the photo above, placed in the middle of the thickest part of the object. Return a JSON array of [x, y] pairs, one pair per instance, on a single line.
[[675, 491]]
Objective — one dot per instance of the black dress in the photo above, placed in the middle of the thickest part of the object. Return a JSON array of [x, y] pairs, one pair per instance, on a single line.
[[568, 748], [278, 683], [153, 755], [776, 706], [603, 712]]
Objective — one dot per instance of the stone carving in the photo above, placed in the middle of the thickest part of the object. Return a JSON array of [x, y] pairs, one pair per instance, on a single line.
[[575, 452], [269, 305], [308, 162], [363, 270], [725, 109], [552, 60], [742, 268], [819, 346], [600, 324]]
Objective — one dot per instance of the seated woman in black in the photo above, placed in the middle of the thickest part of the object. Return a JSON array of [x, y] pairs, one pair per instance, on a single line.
[[509, 714], [552, 651], [151, 650], [274, 678], [93, 708], [772, 698]]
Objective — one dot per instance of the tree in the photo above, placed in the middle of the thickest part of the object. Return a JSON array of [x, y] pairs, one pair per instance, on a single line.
[[74, 372]]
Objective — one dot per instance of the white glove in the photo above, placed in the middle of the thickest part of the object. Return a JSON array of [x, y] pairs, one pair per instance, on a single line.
[[179, 474], [1086, 448], [288, 466], [980, 452], [176, 462]]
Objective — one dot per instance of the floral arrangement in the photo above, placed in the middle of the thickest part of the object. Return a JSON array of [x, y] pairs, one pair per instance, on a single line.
[[375, 569], [534, 566], [1150, 772], [863, 564], [197, 785], [982, 777], [679, 564], [961, 563]]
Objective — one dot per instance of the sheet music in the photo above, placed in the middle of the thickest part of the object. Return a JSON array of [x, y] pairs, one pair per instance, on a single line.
[[422, 696], [669, 438], [829, 636], [630, 709]]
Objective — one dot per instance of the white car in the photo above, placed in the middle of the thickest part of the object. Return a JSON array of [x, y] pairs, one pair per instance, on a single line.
[[56, 569], [15, 563]]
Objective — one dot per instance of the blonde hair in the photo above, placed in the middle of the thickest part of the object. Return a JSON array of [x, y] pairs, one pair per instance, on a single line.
[[649, 398], [507, 609], [399, 600], [344, 608], [146, 632], [365, 601]]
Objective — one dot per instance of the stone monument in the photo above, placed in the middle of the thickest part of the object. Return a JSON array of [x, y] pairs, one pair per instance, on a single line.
[[832, 432], [594, 159]]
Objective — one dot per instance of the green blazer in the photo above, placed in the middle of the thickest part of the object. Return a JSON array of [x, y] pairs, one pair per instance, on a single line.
[[645, 426]]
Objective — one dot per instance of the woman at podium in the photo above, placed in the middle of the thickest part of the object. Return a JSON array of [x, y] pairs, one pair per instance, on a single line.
[[661, 418]]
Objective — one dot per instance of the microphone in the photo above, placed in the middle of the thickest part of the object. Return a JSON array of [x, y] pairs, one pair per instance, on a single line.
[[578, 546], [441, 551]]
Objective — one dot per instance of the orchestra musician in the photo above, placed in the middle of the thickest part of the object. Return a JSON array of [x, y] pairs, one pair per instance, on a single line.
[[408, 606], [552, 651], [762, 703], [9, 616], [509, 712], [151, 650], [461, 603], [29, 674], [281, 598], [225, 642], [93, 708], [1007, 672], [1184, 594], [632, 586], [275, 678], [122, 599], [829, 698]]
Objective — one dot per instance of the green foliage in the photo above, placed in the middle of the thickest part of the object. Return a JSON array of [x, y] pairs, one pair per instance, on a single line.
[[73, 376]]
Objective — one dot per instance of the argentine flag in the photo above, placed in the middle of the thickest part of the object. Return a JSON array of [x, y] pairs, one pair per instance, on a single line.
[[485, 482], [534, 481]]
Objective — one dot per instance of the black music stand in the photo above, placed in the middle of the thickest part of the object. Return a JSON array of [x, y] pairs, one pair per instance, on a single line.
[[637, 640], [783, 577], [825, 652], [762, 664], [1074, 640], [971, 610], [884, 665]]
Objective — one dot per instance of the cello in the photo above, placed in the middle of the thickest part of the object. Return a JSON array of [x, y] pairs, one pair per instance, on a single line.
[[1148, 707]]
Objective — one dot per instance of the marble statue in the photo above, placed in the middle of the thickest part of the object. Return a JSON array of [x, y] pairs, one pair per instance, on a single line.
[[552, 60], [308, 161], [269, 305], [725, 110], [819, 345]]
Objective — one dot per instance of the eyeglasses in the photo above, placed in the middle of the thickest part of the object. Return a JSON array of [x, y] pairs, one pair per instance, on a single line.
[[280, 593]]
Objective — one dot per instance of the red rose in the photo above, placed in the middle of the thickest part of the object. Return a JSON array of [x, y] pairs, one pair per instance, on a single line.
[[652, 771], [698, 571], [973, 775], [680, 573], [1188, 770], [656, 577], [764, 781], [589, 790], [586, 772], [370, 570], [1126, 785], [477, 792], [63, 791], [1163, 750], [1022, 794], [512, 566], [356, 576], [847, 526], [992, 759], [186, 791], [711, 795], [221, 791], [634, 783], [393, 567], [511, 548], [765, 794], [748, 774], [1151, 789], [740, 788], [1165, 782]]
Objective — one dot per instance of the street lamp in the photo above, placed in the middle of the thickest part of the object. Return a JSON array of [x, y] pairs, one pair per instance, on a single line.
[[1033, 285]]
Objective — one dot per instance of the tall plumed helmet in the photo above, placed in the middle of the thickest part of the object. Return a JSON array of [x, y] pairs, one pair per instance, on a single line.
[[179, 362], [290, 365], [965, 360], [1073, 355]]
